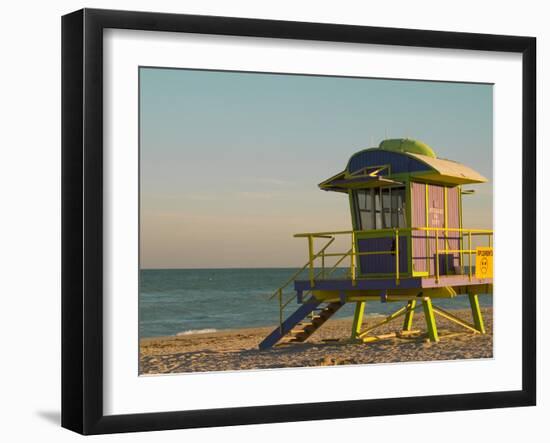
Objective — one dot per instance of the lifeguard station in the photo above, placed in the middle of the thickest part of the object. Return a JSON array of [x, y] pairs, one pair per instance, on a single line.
[[407, 246]]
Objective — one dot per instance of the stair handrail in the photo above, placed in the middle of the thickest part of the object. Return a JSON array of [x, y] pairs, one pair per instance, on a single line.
[[297, 273], [330, 271], [283, 305]]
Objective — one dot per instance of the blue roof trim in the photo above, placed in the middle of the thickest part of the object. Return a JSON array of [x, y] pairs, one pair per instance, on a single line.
[[375, 157]]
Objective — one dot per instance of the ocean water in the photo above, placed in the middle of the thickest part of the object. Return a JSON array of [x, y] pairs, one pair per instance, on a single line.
[[186, 301]]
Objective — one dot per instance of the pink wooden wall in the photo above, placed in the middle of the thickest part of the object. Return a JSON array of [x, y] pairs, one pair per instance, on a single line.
[[418, 196], [423, 243]]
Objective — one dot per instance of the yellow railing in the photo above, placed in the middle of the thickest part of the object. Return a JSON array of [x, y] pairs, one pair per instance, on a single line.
[[323, 273], [432, 233], [353, 254]]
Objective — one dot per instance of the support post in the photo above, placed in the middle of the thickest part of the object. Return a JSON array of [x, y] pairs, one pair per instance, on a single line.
[[445, 232], [357, 319], [311, 258], [407, 324], [430, 319], [397, 257], [352, 259], [436, 256], [476, 313], [280, 293], [470, 255]]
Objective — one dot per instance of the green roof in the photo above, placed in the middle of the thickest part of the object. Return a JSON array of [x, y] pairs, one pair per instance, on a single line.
[[407, 145]]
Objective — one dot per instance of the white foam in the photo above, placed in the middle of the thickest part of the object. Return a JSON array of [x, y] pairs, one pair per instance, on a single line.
[[197, 331]]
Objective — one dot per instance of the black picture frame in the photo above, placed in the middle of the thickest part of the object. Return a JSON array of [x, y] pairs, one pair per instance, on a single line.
[[82, 218]]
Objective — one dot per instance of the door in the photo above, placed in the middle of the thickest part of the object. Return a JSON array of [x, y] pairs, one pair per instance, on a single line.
[[435, 206]]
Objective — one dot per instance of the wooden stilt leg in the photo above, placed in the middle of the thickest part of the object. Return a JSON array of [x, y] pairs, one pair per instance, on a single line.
[[407, 324], [476, 313], [357, 319], [430, 319]]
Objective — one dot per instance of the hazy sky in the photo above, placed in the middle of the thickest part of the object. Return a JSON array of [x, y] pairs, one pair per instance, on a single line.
[[230, 162]]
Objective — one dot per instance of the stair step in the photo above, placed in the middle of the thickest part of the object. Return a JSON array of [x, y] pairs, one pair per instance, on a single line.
[[301, 324], [309, 321], [306, 325]]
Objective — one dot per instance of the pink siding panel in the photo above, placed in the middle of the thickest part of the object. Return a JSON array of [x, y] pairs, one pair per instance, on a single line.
[[418, 196], [453, 221], [436, 206], [423, 243], [436, 219], [452, 207]]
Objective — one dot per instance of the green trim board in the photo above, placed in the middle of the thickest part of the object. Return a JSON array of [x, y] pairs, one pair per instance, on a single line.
[[375, 168]]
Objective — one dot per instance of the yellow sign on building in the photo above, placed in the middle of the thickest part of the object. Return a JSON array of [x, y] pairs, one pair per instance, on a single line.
[[484, 262]]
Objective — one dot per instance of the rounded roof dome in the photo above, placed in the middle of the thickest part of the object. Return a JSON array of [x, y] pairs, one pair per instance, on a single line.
[[407, 145]]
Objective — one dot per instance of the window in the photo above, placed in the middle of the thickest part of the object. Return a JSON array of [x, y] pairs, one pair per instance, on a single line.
[[381, 208]]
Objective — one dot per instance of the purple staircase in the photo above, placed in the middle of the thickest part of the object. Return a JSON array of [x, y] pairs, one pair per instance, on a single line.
[[298, 328]]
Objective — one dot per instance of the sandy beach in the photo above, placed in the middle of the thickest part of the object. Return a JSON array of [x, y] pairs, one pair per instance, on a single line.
[[238, 349]]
